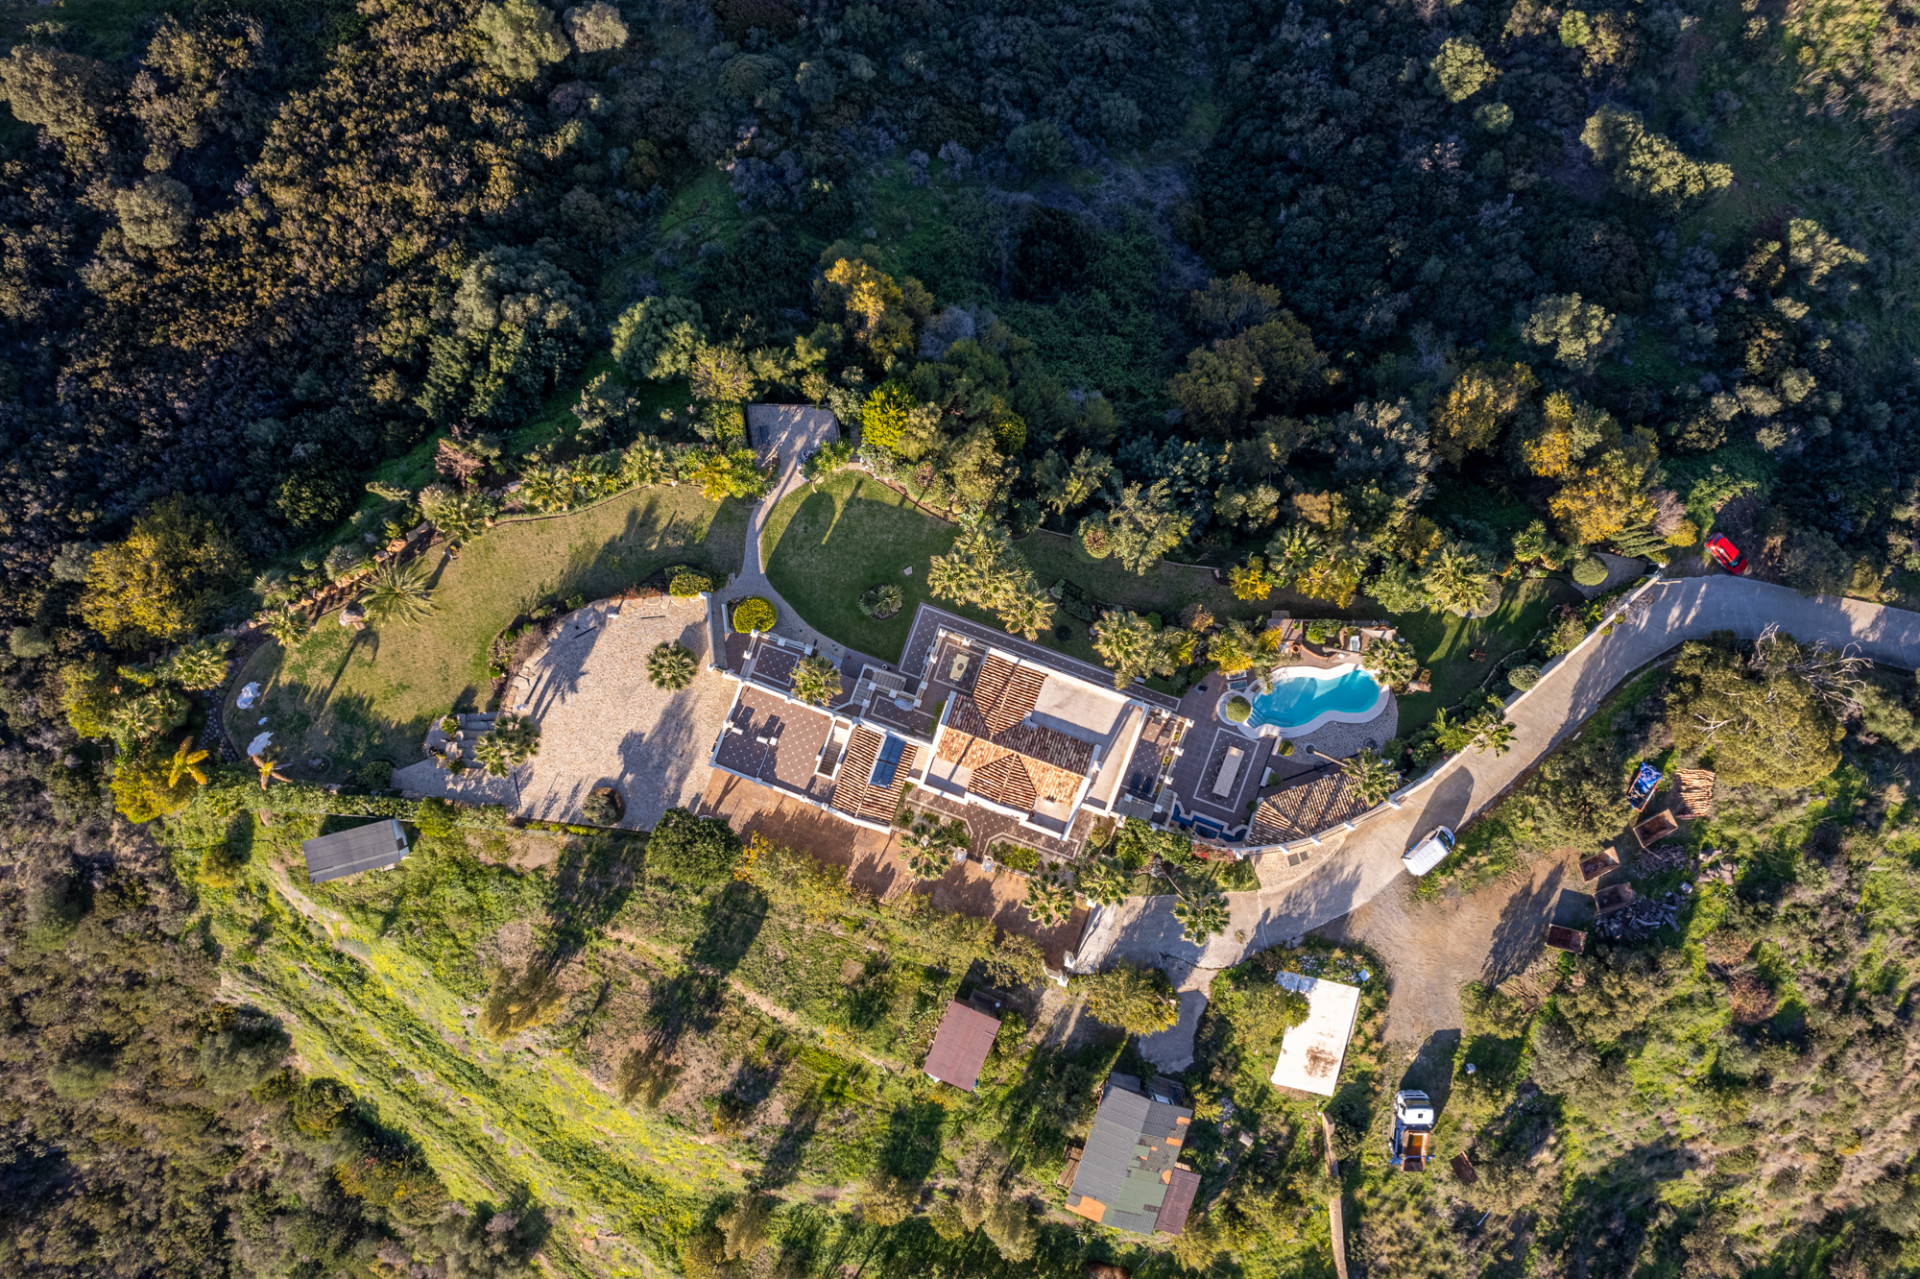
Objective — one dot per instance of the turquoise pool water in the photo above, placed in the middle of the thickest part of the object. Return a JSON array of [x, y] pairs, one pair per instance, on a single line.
[[1306, 697]]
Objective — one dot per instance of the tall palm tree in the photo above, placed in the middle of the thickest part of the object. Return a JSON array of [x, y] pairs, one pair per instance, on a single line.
[[269, 770], [1104, 882], [1372, 778], [1201, 916], [398, 592], [185, 762], [1049, 900]]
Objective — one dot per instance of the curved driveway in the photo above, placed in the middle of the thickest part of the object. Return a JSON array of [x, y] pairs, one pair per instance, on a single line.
[[1362, 864]]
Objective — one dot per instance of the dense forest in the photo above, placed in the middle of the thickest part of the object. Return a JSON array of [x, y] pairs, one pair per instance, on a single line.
[[1384, 305]]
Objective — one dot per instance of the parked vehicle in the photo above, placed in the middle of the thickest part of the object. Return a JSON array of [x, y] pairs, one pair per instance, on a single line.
[[1726, 554], [1429, 852], [1412, 1131]]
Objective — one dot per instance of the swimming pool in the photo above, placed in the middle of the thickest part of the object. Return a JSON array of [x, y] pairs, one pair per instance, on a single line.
[[1302, 698]]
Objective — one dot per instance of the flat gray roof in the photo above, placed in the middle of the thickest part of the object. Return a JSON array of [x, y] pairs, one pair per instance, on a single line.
[[375, 846]]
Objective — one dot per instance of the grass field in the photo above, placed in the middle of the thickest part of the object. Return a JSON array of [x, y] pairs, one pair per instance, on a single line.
[[825, 547], [1444, 643], [360, 699]]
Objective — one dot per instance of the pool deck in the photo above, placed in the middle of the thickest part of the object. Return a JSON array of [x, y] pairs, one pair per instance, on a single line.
[[1204, 752]]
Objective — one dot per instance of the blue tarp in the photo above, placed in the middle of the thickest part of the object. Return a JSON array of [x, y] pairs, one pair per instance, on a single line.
[[1643, 785]]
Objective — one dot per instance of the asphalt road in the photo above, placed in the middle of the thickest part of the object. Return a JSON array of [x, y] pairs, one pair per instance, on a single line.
[[1361, 865]]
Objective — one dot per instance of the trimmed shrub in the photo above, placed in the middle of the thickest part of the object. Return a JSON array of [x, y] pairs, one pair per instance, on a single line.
[[1523, 677], [1238, 710], [1590, 571], [754, 614], [686, 583], [601, 807]]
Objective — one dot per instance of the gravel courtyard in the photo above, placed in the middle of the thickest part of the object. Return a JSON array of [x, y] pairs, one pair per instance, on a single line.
[[601, 722]]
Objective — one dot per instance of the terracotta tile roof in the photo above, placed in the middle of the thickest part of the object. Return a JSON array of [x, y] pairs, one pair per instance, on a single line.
[[1005, 693], [1019, 767], [1305, 809], [852, 793]]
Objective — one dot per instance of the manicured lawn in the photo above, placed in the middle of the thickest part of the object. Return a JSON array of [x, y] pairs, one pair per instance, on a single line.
[[361, 698], [1443, 643], [825, 548]]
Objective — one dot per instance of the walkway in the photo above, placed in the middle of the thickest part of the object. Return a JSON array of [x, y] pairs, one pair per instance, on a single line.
[[1363, 864], [782, 433]]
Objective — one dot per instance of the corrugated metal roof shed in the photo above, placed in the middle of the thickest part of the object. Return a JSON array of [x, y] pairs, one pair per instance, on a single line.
[[961, 1046], [375, 846], [1127, 1168]]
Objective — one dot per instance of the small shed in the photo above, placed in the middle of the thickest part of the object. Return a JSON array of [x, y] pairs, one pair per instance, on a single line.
[[375, 846], [1311, 1053], [1692, 793], [961, 1046]]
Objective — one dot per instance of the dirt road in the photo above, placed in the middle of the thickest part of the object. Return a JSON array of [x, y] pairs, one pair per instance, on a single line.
[[1434, 948]]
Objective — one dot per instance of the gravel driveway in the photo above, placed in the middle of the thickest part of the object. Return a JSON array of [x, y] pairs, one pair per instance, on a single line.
[[602, 723]]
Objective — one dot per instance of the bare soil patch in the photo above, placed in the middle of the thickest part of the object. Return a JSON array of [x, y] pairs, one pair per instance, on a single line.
[[1434, 948]]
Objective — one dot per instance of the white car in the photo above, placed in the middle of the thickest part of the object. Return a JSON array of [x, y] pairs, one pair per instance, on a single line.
[[1429, 852]]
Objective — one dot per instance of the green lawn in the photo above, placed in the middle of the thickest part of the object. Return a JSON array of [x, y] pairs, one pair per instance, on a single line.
[[824, 548], [361, 698], [1443, 643]]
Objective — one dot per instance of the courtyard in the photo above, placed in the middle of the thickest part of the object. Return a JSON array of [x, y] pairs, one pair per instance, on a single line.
[[602, 722]]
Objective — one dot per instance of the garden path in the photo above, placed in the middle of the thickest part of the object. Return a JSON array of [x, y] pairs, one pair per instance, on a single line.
[[784, 434], [1360, 865]]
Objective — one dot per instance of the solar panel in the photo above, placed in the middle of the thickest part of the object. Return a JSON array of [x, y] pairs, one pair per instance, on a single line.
[[888, 763]]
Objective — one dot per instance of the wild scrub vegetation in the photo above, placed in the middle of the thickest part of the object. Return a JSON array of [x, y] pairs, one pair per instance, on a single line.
[[1725, 1096], [1403, 310]]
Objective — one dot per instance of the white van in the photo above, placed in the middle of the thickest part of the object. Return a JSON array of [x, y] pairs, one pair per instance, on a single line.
[[1429, 852]]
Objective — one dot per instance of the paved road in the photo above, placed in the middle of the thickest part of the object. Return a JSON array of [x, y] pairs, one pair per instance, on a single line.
[[1363, 864]]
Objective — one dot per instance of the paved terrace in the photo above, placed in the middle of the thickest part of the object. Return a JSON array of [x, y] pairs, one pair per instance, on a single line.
[[927, 621], [1352, 869]]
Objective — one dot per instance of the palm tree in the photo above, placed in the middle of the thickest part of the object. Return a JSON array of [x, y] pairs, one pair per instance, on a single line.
[[1491, 732], [925, 851], [1104, 883], [1451, 736], [1049, 900], [269, 770], [186, 763], [671, 665], [397, 592], [816, 681], [1201, 916], [1371, 777], [287, 624], [514, 740], [1026, 612], [1234, 648]]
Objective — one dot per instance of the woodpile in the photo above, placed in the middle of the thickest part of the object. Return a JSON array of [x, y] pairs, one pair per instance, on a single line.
[[1692, 793]]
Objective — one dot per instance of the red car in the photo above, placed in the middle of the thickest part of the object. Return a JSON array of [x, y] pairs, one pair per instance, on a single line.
[[1726, 555]]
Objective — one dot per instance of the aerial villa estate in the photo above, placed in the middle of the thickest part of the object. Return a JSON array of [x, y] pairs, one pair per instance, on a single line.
[[1032, 747]]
